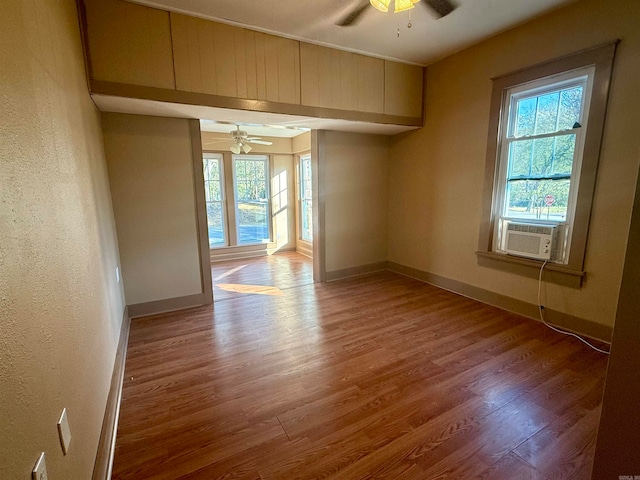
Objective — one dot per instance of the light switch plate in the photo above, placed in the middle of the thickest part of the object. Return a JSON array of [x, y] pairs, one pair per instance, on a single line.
[[39, 472], [64, 432]]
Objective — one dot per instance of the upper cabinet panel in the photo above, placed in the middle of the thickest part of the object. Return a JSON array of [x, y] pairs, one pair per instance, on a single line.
[[220, 59], [403, 89], [129, 44], [342, 80]]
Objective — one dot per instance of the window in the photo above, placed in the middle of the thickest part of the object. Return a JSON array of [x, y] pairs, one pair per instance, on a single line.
[[540, 151], [212, 164], [306, 218], [545, 131], [251, 191]]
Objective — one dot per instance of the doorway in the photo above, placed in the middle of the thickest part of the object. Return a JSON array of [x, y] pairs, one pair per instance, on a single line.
[[258, 183]]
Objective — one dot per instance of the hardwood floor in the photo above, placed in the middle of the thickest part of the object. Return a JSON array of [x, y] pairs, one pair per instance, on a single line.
[[375, 377]]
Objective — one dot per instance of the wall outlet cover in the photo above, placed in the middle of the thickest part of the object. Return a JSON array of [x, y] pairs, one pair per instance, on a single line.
[[64, 432]]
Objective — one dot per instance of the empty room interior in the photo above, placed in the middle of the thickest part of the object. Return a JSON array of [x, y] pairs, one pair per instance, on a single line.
[[322, 239]]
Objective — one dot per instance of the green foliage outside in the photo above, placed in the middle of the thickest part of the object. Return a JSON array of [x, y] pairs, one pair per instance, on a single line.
[[542, 166]]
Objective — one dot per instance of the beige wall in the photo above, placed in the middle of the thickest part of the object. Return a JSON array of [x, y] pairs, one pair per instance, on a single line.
[[437, 172], [301, 143], [151, 175], [60, 305], [355, 170], [283, 202]]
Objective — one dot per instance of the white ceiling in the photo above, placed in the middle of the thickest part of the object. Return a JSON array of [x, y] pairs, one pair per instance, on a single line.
[[429, 39]]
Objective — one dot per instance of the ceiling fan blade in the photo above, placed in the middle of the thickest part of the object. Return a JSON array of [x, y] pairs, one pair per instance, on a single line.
[[259, 142], [440, 7], [355, 14]]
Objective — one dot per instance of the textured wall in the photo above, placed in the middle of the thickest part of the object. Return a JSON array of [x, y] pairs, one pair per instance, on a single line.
[[356, 169], [438, 171], [60, 305], [151, 175]]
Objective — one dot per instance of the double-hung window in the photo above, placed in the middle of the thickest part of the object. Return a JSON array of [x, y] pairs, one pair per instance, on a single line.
[[214, 196], [545, 131], [251, 189], [306, 215], [541, 141]]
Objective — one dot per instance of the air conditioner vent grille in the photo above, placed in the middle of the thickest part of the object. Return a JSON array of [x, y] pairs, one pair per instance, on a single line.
[[530, 240], [539, 229]]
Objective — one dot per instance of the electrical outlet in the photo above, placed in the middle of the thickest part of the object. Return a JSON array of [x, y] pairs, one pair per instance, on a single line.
[[64, 432], [39, 472]]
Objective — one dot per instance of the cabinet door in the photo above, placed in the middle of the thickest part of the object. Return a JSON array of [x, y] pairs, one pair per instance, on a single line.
[[402, 89], [333, 78], [221, 59], [129, 43]]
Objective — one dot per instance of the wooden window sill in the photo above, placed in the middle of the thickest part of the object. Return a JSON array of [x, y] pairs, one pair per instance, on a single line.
[[554, 273]]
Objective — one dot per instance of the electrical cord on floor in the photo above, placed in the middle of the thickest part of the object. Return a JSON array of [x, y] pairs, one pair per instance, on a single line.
[[541, 308]]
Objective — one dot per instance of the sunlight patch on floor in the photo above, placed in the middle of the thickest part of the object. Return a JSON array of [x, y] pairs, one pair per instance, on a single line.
[[254, 289], [228, 272]]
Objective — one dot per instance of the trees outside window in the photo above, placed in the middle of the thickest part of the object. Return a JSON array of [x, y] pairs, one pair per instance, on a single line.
[[306, 215], [251, 191], [214, 194]]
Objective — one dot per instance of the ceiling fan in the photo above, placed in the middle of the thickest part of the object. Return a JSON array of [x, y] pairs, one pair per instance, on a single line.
[[439, 7], [241, 141]]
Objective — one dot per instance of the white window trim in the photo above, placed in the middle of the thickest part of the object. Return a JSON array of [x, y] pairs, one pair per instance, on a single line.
[[582, 76]]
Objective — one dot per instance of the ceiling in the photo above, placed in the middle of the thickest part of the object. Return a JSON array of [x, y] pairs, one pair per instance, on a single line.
[[428, 40]]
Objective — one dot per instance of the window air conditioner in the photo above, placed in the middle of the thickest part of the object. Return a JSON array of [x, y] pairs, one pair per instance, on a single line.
[[530, 240]]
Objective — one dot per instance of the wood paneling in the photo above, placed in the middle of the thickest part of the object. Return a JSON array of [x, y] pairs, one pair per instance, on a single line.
[[335, 79], [374, 377], [220, 59], [129, 44], [403, 89]]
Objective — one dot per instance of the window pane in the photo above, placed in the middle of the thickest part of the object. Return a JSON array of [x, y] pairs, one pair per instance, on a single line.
[[251, 189], [547, 114], [525, 116], [564, 149], [570, 104], [520, 158], [305, 197], [212, 169], [215, 221], [542, 157], [526, 199]]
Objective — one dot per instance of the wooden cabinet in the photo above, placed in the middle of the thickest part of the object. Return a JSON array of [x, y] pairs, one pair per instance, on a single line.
[[221, 59], [333, 78], [403, 89], [133, 45], [129, 44]]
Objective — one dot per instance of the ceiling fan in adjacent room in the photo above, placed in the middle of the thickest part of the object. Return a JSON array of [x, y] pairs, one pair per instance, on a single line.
[[241, 141], [439, 7]]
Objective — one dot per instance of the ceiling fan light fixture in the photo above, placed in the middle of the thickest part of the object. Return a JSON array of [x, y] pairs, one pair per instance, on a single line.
[[235, 148], [246, 148], [382, 5], [402, 5]]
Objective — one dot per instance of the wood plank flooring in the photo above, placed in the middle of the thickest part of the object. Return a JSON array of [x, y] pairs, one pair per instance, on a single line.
[[375, 377]]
